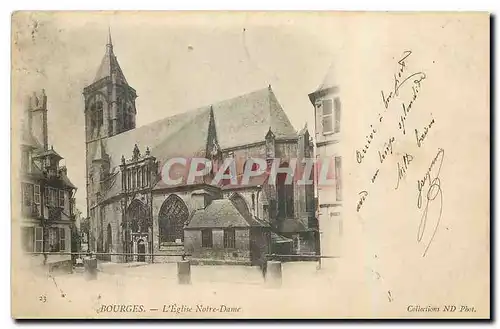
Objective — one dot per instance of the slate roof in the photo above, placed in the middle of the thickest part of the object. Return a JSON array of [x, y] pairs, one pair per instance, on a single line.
[[154, 135], [36, 172], [329, 80], [67, 181], [239, 121], [42, 153], [222, 214], [109, 64], [328, 84], [246, 119], [254, 181]]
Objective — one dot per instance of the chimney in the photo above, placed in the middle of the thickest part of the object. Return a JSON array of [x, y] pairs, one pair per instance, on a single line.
[[37, 118]]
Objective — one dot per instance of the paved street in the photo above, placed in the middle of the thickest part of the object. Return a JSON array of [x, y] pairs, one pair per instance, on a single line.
[[155, 285]]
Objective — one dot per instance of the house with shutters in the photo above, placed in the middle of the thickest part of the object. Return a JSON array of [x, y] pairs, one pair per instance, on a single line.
[[131, 208], [47, 194], [326, 102]]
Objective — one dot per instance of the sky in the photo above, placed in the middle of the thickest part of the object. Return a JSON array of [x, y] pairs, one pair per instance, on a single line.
[[175, 61]]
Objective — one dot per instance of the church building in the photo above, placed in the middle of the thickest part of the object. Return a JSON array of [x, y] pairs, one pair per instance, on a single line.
[[131, 208]]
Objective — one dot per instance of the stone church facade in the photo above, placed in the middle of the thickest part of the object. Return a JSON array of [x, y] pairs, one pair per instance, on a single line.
[[131, 208]]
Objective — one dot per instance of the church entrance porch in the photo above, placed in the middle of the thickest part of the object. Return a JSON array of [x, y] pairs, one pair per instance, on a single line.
[[140, 247], [137, 237]]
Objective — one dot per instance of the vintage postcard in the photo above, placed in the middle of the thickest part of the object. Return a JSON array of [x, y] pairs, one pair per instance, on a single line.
[[250, 165]]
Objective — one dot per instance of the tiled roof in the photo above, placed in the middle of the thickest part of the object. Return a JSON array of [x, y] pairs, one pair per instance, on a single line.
[[220, 214]]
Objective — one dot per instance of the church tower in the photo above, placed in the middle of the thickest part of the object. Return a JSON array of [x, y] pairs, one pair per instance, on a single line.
[[109, 100], [109, 110]]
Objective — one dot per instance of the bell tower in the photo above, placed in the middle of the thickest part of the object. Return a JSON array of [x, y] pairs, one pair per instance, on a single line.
[[109, 100], [109, 110]]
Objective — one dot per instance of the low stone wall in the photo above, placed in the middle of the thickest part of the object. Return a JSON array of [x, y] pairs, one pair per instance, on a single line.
[[208, 261], [61, 267]]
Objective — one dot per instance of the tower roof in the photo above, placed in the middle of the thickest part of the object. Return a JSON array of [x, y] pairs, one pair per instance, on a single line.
[[109, 64], [327, 86]]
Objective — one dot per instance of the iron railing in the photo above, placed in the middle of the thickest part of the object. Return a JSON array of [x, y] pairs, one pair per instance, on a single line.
[[91, 254]]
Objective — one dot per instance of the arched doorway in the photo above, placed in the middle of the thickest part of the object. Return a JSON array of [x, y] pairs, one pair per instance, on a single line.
[[141, 250], [171, 218], [136, 228]]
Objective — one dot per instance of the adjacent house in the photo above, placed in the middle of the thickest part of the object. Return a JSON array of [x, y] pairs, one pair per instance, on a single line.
[[226, 232], [47, 194]]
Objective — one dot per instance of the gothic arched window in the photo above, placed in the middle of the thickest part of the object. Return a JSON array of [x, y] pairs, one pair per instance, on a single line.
[[96, 111], [285, 194], [172, 217], [137, 217]]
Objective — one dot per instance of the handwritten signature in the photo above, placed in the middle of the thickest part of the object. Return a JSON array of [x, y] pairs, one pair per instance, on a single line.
[[432, 181], [402, 168], [397, 84]]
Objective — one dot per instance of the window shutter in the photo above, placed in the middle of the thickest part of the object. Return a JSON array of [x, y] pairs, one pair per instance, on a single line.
[[327, 107], [38, 239], [61, 198], [37, 194], [62, 239], [337, 108], [327, 116]]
